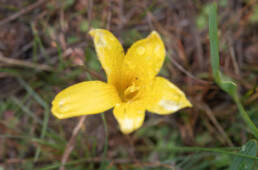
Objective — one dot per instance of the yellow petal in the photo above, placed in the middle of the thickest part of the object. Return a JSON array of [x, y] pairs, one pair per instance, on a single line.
[[144, 59], [84, 98], [166, 98], [130, 116], [109, 51]]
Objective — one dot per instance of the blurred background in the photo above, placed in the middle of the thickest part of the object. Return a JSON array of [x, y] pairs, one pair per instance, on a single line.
[[45, 47]]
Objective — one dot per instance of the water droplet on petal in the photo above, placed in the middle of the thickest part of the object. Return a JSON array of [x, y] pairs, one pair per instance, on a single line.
[[140, 50], [157, 50], [169, 105], [127, 124], [100, 39], [111, 38]]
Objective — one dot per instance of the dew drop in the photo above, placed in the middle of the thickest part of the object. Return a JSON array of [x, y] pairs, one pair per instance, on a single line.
[[140, 50], [169, 105], [157, 50], [127, 124]]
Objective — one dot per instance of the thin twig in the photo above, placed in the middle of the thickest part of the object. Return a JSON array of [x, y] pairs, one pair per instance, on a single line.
[[23, 50], [90, 7], [109, 15], [181, 68], [233, 55], [22, 12], [70, 144], [211, 116], [16, 62]]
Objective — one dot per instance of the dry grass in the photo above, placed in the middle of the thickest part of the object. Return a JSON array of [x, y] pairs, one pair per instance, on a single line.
[[43, 45]]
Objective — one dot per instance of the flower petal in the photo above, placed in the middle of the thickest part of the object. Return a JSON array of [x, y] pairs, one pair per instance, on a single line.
[[144, 58], [130, 116], [109, 51], [166, 98], [84, 98]]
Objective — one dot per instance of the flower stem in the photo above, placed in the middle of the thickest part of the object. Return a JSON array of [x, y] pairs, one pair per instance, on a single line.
[[246, 117], [104, 162]]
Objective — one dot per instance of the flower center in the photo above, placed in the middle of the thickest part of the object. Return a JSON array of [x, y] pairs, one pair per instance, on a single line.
[[130, 93]]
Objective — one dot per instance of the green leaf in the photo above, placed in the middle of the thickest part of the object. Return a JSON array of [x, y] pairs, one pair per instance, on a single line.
[[201, 22], [84, 26], [223, 81], [227, 84], [72, 40], [214, 44], [240, 163]]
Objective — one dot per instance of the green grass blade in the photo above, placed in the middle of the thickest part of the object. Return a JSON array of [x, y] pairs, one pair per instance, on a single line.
[[250, 148], [46, 111], [223, 81], [104, 161], [213, 29], [227, 151], [26, 110]]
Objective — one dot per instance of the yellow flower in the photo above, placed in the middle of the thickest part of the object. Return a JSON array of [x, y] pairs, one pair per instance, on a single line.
[[132, 86]]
